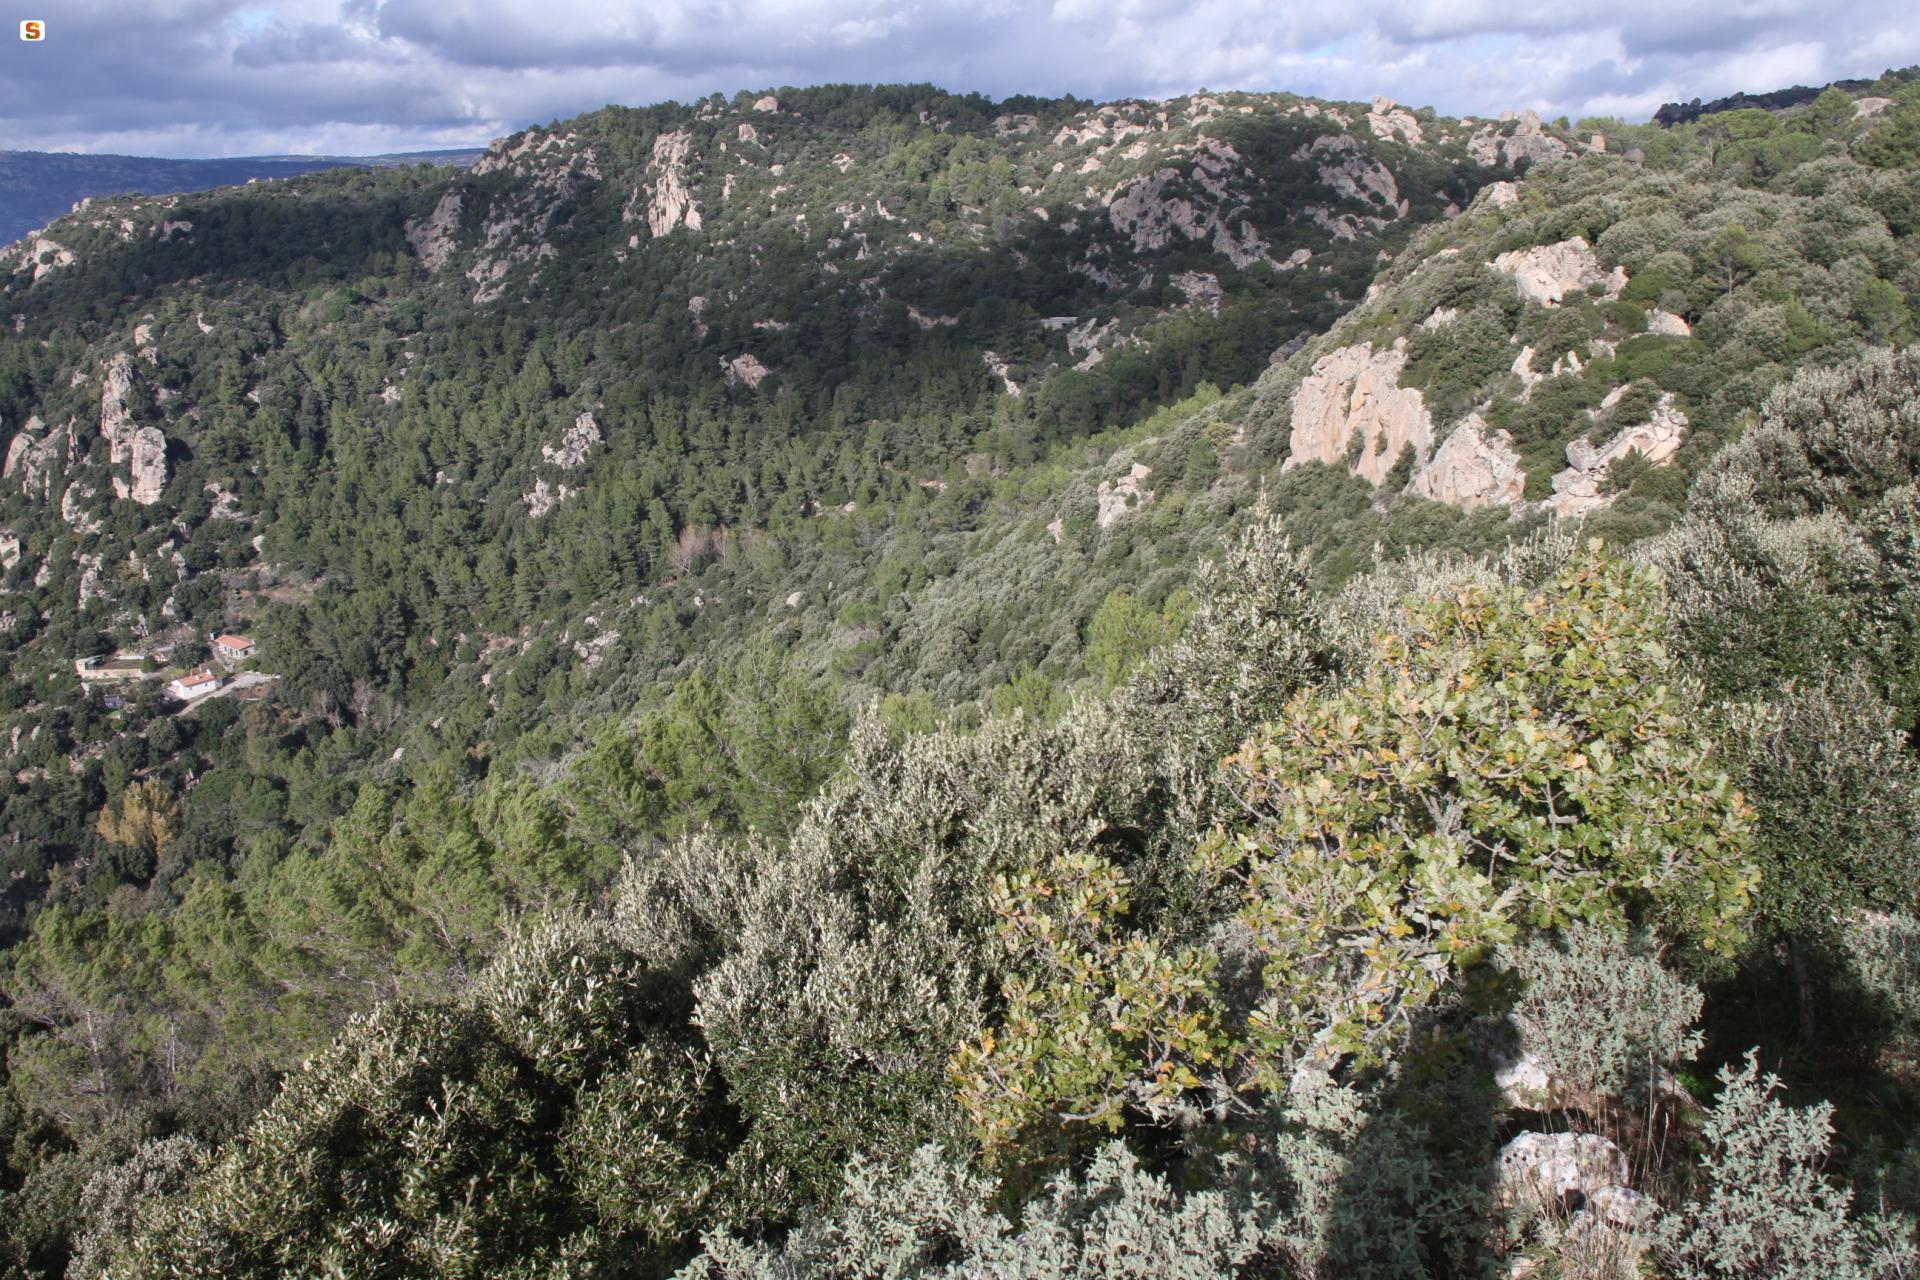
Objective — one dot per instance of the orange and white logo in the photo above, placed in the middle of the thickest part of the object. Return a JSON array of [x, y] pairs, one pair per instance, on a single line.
[[33, 30]]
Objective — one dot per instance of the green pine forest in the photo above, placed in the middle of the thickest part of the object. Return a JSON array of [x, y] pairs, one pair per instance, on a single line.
[[860, 682]]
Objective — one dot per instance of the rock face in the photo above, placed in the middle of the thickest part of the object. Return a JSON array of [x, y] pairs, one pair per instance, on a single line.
[[1547, 273], [41, 255], [1117, 497], [1346, 167], [1669, 324], [1473, 468], [575, 444], [32, 459], [669, 203], [1144, 212], [1529, 143], [142, 450], [744, 368], [544, 497], [1202, 289], [1577, 490], [1000, 369], [1352, 394], [147, 466], [1389, 121], [432, 236]]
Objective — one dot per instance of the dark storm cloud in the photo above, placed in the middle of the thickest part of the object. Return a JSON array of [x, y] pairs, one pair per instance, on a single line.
[[233, 76]]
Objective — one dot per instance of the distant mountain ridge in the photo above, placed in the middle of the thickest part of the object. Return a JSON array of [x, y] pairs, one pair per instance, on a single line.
[[38, 186]]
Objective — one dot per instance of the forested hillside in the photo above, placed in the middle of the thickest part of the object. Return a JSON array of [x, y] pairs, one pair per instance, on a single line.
[[864, 682], [38, 186]]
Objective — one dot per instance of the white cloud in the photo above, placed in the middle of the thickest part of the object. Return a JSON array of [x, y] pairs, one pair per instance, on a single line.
[[203, 77]]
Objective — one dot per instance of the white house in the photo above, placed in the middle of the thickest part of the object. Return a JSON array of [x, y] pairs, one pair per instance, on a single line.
[[232, 648], [198, 685]]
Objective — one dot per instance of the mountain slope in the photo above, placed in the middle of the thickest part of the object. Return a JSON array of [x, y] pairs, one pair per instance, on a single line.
[[602, 503], [38, 186]]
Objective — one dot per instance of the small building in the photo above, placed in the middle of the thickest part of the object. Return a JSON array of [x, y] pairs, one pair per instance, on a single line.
[[121, 666], [197, 685], [232, 648]]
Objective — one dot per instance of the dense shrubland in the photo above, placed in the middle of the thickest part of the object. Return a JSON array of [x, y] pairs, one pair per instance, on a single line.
[[918, 891]]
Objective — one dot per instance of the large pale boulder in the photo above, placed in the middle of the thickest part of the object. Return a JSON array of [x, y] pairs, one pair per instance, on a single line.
[[1355, 393], [432, 236], [1547, 273], [1669, 324], [1475, 467], [33, 459], [146, 465], [575, 444], [1117, 497], [669, 201], [1577, 490], [744, 368], [1389, 121]]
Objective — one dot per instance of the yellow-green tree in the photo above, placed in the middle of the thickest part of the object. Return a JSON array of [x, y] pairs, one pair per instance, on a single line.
[[1509, 759]]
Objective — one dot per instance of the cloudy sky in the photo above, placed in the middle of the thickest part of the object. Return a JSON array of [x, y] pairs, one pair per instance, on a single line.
[[239, 77]]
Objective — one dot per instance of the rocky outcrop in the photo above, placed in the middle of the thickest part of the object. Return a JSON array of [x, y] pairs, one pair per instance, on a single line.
[[575, 444], [1389, 121], [1579, 489], [544, 497], [1547, 273], [1579, 1174], [1475, 467], [1347, 168], [1202, 289], [142, 450], [669, 202], [1117, 497], [769, 103], [432, 236], [1529, 143], [744, 368], [1000, 369], [1145, 213], [41, 255], [33, 460], [146, 467], [1354, 394], [1669, 324]]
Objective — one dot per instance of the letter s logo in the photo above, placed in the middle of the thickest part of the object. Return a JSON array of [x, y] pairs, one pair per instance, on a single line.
[[33, 30]]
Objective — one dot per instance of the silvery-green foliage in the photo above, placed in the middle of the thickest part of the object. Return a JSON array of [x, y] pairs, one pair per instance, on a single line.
[[1881, 954], [862, 961], [123, 1198], [559, 992], [1255, 636], [861, 954], [682, 905], [1345, 1187], [1856, 426], [1764, 1209], [637, 1143], [1600, 1010], [1838, 795], [930, 1220]]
